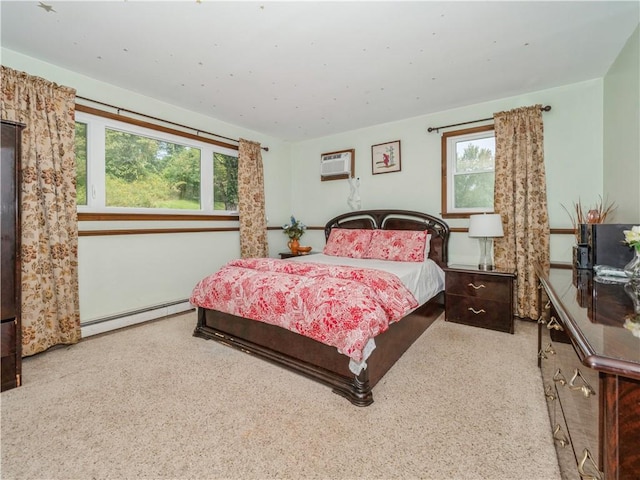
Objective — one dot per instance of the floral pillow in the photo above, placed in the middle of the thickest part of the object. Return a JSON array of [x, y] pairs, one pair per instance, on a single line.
[[398, 245], [348, 242]]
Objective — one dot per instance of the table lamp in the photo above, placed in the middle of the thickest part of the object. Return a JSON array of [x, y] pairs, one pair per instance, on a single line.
[[485, 227]]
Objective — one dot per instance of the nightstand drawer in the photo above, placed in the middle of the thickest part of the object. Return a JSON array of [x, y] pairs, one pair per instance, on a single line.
[[478, 285], [492, 314]]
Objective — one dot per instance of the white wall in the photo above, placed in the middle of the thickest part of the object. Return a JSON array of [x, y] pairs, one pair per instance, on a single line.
[[124, 273], [573, 159], [622, 132]]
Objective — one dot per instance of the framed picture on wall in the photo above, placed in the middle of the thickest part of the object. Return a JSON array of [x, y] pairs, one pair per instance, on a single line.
[[385, 157]]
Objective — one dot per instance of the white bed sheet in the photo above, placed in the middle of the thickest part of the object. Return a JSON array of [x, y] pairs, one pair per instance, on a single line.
[[423, 279]]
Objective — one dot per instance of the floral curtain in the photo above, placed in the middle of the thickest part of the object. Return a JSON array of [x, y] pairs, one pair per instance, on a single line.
[[49, 236], [521, 199], [251, 204]]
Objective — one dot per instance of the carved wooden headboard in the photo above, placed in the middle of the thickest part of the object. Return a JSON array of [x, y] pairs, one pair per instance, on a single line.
[[398, 220]]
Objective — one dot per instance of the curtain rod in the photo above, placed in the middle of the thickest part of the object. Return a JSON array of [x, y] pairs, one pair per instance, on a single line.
[[437, 129], [198, 131]]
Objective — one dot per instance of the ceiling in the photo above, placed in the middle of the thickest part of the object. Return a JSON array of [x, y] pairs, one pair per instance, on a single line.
[[300, 70]]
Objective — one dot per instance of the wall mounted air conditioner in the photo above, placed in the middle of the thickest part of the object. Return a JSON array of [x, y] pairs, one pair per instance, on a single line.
[[337, 165]]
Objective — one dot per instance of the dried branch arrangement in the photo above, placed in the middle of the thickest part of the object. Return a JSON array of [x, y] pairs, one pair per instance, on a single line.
[[597, 214]]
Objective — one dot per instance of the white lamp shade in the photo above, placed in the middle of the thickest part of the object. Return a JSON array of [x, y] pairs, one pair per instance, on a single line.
[[485, 225]]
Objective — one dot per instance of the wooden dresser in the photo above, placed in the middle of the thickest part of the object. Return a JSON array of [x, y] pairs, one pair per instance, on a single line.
[[590, 368], [479, 298], [10, 258]]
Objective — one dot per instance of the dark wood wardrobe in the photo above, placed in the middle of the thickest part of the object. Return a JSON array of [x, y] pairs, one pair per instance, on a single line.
[[10, 258]]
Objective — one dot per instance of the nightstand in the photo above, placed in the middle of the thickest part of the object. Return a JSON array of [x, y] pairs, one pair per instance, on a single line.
[[480, 298], [284, 255]]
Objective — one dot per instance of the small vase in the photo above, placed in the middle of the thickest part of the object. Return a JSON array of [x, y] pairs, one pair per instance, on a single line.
[[293, 245], [632, 269]]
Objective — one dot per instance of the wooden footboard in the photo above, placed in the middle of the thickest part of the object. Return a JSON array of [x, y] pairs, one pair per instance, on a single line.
[[321, 362], [313, 359]]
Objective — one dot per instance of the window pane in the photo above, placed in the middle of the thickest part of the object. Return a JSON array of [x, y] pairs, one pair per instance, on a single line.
[[81, 163], [468, 166], [474, 190], [225, 182], [475, 155], [149, 173]]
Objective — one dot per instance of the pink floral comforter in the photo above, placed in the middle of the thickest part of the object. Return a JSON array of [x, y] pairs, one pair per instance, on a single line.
[[337, 305]]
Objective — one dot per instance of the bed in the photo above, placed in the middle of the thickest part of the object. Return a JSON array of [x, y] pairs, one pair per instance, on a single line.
[[321, 362]]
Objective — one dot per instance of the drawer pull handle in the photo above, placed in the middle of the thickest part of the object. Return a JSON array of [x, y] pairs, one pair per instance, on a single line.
[[542, 320], [477, 312], [585, 388], [560, 437], [549, 350], [476, 287], [548, 392], [558, 377], [594, 473], [547, 305], [554, 325]]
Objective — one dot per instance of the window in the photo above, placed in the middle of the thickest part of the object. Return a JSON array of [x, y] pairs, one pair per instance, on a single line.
[[225, 180], [81, 163], [468, 162], [125, 167]]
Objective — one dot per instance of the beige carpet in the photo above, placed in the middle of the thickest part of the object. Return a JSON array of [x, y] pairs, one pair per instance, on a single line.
[[155, 402]]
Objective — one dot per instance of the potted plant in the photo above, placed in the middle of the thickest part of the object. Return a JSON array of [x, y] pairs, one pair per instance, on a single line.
[[294, 230], [581, 217]]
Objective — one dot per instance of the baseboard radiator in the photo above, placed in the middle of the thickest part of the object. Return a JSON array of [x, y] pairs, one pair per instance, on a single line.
[[106, 324]]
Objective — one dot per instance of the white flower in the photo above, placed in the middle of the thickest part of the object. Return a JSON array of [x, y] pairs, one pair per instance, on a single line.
[[633, 326], [632, 237]]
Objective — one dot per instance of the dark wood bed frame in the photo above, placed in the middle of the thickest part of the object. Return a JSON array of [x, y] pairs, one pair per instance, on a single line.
[[321, 362]]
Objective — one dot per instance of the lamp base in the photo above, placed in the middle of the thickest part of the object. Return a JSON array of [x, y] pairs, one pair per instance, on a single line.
[[486, 257]]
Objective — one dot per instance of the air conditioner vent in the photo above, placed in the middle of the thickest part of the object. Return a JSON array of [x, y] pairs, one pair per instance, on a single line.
[[336, 165]]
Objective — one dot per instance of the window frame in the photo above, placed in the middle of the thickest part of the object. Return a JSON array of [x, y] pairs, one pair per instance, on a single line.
[[448, 157], [97, 122]]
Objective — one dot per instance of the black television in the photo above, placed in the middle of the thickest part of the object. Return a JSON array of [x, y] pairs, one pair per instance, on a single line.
[[607, 246]]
